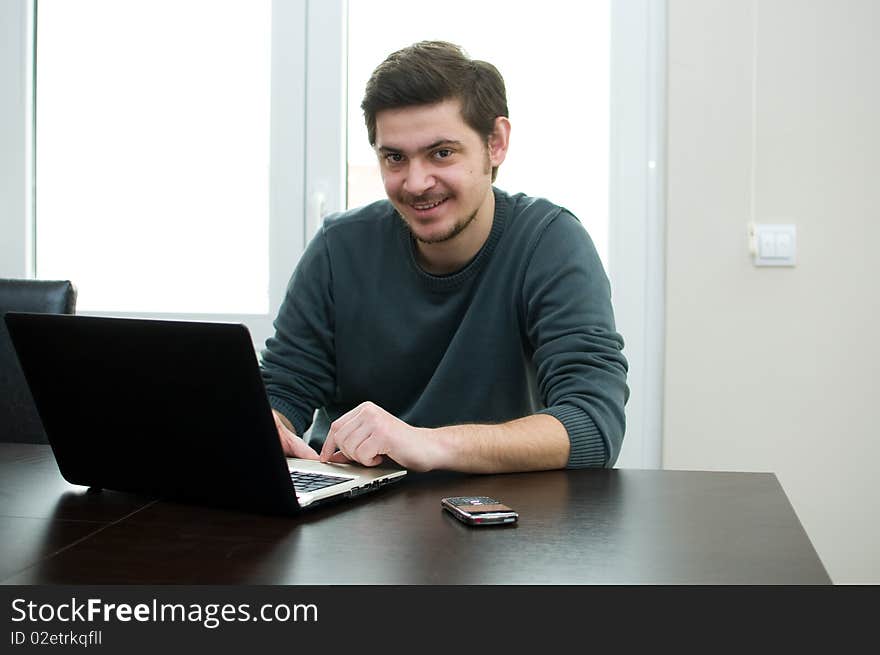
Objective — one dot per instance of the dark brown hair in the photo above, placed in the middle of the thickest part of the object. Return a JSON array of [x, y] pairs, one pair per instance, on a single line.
[[433, 71]]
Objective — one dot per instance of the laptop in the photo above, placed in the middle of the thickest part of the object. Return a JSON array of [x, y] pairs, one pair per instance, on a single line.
[[170, 409]]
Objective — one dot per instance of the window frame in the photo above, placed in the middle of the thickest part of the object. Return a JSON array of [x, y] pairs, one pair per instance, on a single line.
[[637, 213]]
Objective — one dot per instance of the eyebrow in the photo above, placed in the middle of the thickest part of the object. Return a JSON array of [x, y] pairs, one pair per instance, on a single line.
[[436, 144]]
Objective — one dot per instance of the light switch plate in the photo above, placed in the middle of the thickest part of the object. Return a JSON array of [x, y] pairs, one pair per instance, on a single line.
[[773, 244]]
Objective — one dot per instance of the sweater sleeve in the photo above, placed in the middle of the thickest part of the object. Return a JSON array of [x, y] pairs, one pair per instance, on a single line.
[[581, 370], [298, 363]]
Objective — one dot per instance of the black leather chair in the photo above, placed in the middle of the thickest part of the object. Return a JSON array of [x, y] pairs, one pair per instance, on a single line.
[[19, 421]]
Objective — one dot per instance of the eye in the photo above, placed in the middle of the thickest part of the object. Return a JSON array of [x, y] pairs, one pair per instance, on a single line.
[[393, 157], [443, 153]]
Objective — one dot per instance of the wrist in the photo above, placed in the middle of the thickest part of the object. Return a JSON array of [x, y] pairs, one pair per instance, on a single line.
[[443, 449]]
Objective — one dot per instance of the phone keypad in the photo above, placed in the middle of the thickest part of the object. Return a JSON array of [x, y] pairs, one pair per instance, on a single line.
[[472, 501]]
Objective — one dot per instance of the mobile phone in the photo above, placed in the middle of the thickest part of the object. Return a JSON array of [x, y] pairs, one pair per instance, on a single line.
[[479, 510]]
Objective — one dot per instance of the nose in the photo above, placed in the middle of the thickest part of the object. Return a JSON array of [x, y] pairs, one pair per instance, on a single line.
[[419, 178]]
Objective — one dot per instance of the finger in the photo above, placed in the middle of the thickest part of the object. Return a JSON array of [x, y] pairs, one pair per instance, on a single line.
[[348, 416], [302, 450], [341, 426], [286, 445], [292, 445], [351, 442], [286, 437], [339, 432], [338, 458], [367, 453], [329, 447]]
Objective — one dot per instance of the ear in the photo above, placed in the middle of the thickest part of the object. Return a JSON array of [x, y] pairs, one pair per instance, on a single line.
[[499, 140]]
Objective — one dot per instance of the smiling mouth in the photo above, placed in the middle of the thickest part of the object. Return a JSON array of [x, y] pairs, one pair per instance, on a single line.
[[427, 206]]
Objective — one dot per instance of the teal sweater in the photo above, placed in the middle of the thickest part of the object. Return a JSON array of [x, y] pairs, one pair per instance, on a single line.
[[526, 327]]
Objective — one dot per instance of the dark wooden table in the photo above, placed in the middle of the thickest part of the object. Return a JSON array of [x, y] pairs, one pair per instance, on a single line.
[[576, 527]]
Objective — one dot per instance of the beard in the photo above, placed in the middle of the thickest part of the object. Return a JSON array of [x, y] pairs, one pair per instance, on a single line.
[[453, 232]]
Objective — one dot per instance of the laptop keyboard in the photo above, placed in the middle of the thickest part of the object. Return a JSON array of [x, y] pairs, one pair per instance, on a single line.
[[305, 481]]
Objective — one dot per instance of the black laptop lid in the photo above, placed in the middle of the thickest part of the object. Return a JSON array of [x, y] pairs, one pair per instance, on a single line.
[[165, 408]]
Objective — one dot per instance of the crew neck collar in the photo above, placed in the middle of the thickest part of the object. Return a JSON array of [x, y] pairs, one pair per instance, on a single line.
[[454, 280]]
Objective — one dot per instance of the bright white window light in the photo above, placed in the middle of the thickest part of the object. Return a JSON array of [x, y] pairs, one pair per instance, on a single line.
[[152, 153], [555, 60]]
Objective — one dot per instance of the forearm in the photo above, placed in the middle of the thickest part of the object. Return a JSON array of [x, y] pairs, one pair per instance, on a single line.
[[534, 443]]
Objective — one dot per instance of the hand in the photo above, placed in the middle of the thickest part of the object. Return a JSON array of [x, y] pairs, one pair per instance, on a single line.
[[368, 432], [291, 444]]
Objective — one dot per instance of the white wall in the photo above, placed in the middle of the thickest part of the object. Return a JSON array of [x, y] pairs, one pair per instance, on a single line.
[[775, 369]]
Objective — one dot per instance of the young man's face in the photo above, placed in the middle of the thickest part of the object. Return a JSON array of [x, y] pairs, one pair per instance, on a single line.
[[436, 169]]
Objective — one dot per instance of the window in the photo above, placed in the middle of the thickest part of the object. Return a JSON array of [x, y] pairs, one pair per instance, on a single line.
[[152, 153]]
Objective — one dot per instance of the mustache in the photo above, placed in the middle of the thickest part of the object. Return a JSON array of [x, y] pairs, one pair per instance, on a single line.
[[409, 199]]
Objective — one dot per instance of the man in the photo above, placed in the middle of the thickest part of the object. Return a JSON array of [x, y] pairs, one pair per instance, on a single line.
[[452, 326]]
